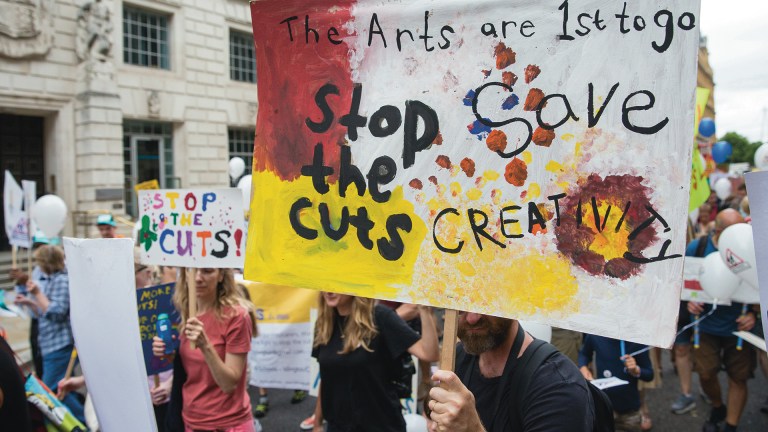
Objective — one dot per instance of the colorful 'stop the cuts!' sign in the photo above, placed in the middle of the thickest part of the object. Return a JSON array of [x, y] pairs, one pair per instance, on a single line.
[[192, 228], [527, 159]]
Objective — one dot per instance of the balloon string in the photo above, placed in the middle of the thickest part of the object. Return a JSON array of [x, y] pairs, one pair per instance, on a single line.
[[693, 324]]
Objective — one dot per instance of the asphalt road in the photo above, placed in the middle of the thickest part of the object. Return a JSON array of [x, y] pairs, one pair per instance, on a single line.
[[284, 417]]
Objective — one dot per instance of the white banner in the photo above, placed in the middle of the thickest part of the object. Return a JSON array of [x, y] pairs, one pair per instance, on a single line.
[[15, 220], [757, 189], [102, 296]]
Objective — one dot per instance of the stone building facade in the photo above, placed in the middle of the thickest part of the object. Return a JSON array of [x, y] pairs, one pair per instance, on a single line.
[[99, 95]]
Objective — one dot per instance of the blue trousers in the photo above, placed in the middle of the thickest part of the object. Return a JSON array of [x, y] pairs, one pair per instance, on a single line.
[[54, 368]]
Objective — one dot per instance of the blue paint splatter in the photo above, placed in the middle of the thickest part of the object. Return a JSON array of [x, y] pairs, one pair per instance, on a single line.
[[510, 102], [479, 129], [468, 98]]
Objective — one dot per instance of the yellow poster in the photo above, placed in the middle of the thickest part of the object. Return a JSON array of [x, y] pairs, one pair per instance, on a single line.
[[149, 184], [699, 186]]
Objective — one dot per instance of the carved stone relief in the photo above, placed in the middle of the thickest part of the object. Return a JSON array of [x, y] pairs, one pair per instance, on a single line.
[[26, 28]]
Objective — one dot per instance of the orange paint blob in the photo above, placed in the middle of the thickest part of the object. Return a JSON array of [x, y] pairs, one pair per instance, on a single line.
[[496, 141], [516, 172], [504, 56], [533, 99], [438, 139], [468, 166], [416, 184], [543, 137], [531, 72], [443, 161], [508, 78]]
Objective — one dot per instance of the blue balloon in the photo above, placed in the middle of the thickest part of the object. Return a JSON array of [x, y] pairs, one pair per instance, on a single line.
[[706, 127], [721, 151]]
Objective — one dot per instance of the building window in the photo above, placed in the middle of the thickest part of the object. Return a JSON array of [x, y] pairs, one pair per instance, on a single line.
[[242, 58], [241, 145], [147, 155], [145, 38]]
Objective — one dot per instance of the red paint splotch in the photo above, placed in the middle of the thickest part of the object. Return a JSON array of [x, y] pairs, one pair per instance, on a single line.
[[433, 180], [443, 161], [486, 72], [508, 78], [468, 166], [516, 172], [543, 137], [290, 73], [504, 56], [533, 99], [531, 72], [438, 139], [416, 184], [628, 196], [496, 140]]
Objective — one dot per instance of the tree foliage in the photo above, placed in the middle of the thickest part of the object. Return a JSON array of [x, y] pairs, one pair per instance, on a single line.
[[743, 150]]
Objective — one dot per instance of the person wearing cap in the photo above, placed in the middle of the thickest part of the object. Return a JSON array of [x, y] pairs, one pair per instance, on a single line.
[[107, 226]]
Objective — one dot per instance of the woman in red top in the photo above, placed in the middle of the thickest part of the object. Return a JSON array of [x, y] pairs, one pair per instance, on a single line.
[[215, 393]]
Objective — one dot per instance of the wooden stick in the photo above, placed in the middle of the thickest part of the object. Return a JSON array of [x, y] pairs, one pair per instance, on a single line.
[[14, 250], [192, 295], [157, 380], [29, 261], [71, 364], [448, 353]]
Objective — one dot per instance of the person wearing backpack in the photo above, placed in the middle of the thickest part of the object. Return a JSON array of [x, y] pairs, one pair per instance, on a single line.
[[613, 359], [506, 380]]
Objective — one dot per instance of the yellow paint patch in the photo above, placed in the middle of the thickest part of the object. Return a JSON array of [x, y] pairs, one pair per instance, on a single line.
[[455, 188], [474, 194], [276, 254], [466, 269], [608, 243], [567, 137], [491, 175], [534, 191], [527, 157], [553, 166], [577, 149]]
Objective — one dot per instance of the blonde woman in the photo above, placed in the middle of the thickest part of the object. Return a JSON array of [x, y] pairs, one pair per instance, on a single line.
[[358, 345], [214, 394]]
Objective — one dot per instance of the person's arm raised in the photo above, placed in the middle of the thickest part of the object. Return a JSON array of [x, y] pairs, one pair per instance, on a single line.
[[226, 373]]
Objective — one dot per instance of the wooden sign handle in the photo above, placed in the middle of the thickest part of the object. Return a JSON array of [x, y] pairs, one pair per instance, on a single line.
[[192, 296], [14, 251], [448, 352], [71, 365]]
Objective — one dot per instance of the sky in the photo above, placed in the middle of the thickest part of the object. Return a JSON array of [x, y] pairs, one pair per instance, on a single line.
[[737, 41]]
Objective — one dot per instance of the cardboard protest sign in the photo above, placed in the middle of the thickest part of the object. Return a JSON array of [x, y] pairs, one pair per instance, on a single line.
[[516, 158], [147, 185], [16, 225], [699, 185], [192, 228], [105, 325], [757, 190], [280, 356], [151, 302]]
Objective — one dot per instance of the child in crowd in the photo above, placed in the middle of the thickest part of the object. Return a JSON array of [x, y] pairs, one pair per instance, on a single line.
[[613, 359]]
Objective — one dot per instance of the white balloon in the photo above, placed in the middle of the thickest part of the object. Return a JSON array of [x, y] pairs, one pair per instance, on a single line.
[[716, 279], [245, 186], [236, 167], [415, 423], [746, 293], [50, 215], [539, 331], [737, 249], [722, 188], [761, 157]]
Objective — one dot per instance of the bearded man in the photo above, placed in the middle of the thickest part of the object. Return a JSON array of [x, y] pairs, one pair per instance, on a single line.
[[481, 397]]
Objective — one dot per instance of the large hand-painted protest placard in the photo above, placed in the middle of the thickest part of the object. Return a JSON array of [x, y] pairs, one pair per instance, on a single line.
[[151, 302], [192, 228], [517, 158], [280, 355]]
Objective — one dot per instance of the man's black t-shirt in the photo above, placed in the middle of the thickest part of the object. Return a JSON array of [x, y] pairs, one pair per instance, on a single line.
[[557, 399], [356, 391]]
